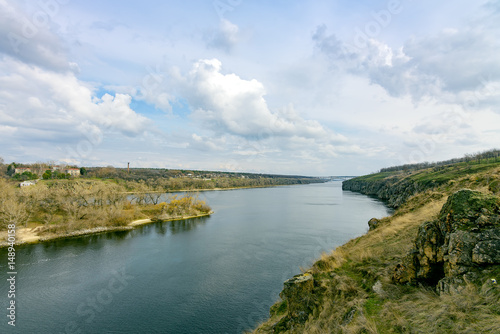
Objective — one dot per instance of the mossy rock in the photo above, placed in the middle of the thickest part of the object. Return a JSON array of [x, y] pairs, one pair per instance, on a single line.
[[279, 308], [464, 207]]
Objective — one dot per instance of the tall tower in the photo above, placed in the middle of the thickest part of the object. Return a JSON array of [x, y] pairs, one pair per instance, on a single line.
[[128, 167]]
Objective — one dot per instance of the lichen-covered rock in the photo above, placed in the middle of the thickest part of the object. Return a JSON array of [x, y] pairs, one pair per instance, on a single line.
[[373, 223], [486, 252], [297, 293], [459, 248], [456, 284], [465, 207], [463, 240], [406, 271], [450, 285], [425, 261]]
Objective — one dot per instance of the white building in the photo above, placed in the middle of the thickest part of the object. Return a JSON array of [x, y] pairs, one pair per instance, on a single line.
[[73, 171], [26, 184]]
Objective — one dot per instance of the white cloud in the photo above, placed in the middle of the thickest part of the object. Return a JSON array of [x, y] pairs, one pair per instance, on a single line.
[[206, 144], [442, 66], [225, 38], [227, 103], [115, 112], [29, 38], [49, 106]]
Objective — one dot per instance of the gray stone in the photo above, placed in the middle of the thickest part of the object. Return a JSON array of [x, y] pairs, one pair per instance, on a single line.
[[459, 252], [487, 252]]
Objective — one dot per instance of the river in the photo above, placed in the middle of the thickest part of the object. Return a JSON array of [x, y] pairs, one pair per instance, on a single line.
[[217, 274]]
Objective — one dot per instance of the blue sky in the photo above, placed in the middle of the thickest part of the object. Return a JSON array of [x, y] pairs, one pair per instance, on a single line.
[[289, 87]]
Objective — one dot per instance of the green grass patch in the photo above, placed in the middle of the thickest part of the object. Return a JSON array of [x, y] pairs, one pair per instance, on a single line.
[[279, 308], [375, 176], [373, 306]]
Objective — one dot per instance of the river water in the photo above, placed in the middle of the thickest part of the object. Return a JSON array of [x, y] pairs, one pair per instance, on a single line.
[[218, 274]]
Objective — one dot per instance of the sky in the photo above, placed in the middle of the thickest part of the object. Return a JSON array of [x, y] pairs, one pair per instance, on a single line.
[[287, 87]]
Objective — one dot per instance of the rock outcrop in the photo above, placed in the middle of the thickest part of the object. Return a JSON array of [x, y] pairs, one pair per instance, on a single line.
[[299, 297], [393, 190], [457, 247], [373, 223]]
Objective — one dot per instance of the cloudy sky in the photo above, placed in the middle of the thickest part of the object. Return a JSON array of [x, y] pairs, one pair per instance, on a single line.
[[318, 87]]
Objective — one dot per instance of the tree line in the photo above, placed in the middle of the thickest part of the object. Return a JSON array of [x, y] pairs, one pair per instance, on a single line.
[[480, 157]]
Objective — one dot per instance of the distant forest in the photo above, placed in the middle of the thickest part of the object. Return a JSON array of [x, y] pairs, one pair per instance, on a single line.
[[173, 179], [480, 157]]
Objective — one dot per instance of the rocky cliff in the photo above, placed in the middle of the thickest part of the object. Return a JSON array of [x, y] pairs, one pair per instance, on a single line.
[[459, 247], [393, 190]]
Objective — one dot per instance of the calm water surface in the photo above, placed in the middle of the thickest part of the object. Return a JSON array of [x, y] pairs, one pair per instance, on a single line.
[[218, 274]]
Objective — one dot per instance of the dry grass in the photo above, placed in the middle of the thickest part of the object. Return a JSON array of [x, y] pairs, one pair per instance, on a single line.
[[471, 311]]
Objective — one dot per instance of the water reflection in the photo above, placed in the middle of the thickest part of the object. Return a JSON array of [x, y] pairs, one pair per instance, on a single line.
[[95, 240], [186, 225], [174, 226]]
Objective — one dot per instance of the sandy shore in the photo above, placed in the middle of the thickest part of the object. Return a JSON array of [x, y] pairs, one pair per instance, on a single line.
[[27, 235]]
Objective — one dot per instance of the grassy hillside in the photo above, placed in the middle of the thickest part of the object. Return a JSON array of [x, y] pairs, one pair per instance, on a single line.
[[353, 289]]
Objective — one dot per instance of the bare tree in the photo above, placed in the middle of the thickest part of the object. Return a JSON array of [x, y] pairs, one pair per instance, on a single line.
[[12, 211], [140, 192]]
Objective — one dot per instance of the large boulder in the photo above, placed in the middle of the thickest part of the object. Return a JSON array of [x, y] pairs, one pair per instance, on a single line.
[[373, 223], [452, 249], [298, 294]]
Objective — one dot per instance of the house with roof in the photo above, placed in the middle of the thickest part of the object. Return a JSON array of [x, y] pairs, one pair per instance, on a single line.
[[20, 170], [72, 171]]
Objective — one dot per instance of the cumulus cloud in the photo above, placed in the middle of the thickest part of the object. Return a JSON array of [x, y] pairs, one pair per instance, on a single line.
[[232, 115], [41, 98], [49, 106], [227, 103], [225, 38]]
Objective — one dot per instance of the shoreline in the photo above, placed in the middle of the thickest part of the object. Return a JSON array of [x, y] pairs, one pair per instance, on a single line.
[[26, 235]]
